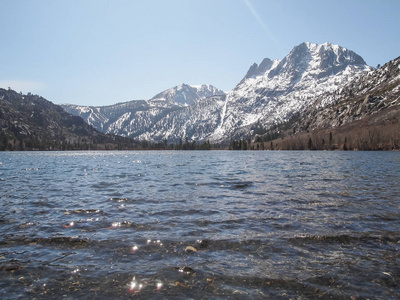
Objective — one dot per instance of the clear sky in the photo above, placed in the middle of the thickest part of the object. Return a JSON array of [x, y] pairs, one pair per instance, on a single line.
[[100, 52]]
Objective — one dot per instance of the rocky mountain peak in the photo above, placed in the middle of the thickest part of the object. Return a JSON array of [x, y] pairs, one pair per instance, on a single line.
[[318, 60], [288, 86], [185, 94], [270, 92], [257, 70]]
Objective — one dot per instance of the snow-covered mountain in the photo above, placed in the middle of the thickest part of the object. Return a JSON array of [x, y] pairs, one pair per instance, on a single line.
[[270, 92], [363, 114], [274, 90], [186, 95], [137, 118], [371, 94]]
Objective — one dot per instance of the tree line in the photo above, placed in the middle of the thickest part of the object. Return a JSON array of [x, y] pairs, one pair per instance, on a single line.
[[33, 143], [180, 145]]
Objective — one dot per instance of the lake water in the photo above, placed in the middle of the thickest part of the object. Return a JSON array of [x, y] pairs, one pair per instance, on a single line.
[[210, 225]]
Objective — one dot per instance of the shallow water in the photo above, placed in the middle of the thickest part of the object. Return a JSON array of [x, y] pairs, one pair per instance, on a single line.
[[211, 224]]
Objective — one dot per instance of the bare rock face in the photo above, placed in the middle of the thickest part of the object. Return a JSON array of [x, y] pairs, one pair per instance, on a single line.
[[257, 70]]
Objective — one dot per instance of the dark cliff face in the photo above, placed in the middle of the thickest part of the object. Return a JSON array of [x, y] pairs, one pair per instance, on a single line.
[[29, 122], [252, 71]]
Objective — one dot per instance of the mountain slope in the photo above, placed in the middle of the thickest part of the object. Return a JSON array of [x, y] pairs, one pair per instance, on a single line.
[[30, 122], [139, 119], [364, 114], [368, 94], [195, 122], [268, 94], [186, 95], [288, 86]]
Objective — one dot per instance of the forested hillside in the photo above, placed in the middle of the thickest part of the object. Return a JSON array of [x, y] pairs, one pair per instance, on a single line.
[[30, 122]]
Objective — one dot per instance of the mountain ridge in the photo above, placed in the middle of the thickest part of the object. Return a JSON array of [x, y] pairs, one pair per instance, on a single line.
[[288, 86], [314, 92], [137, 118], [270, 92], [364, 114], [185, 94]]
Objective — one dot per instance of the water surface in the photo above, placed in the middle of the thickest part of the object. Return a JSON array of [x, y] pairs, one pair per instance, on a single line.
[[212, 224]]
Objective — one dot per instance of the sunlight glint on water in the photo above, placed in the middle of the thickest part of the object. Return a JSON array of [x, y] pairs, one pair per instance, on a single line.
[[216, 224]]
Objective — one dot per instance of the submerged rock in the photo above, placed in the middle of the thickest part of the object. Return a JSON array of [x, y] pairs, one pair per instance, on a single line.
[[185, 270], [190, 249]]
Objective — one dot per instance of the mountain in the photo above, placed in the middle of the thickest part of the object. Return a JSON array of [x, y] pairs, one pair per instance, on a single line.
[[30, 122], [317, 97], [364, 114], [269, 93], [194, 122], [273, 93], [186, 95], [140, 119], [125, 119], [369, 94]]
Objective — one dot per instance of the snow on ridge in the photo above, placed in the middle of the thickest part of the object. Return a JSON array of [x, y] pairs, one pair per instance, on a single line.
[[327, 45], [185, 94], [276, 94], [270, 91], [290, 85]]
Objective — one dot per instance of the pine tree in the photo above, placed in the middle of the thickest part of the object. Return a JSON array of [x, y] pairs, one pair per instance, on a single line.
[[310, 144], [345, 144]]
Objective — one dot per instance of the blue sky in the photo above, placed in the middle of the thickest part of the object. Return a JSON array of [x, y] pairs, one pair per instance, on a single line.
[[100, 52]]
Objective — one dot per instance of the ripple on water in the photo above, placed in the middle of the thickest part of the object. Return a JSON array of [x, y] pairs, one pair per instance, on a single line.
[[218, 224]]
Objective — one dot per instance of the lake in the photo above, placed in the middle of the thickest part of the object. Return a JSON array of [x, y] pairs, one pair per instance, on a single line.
[[201, 224]]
